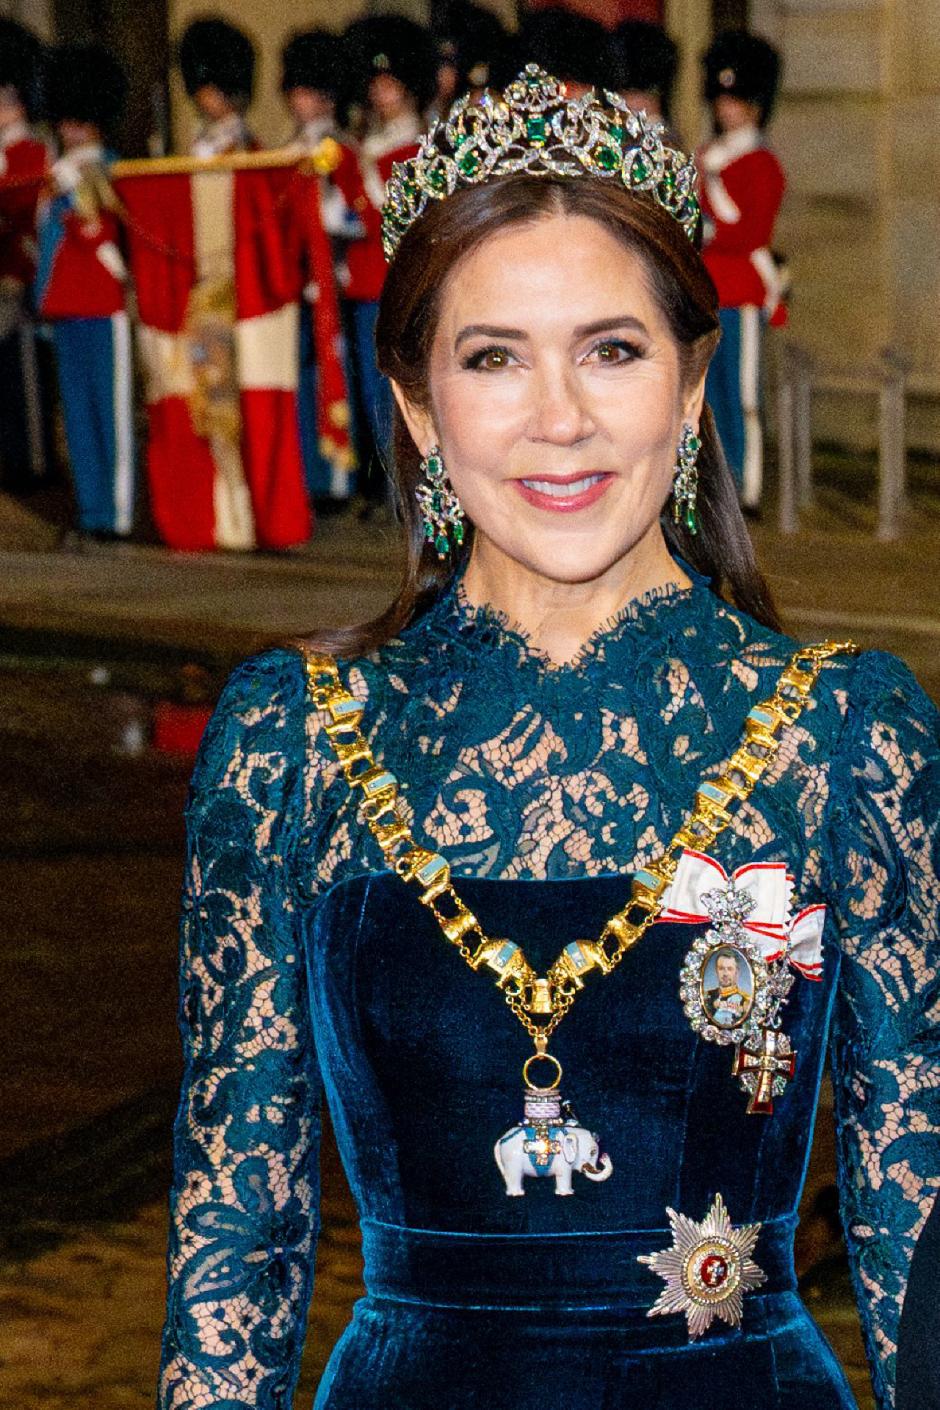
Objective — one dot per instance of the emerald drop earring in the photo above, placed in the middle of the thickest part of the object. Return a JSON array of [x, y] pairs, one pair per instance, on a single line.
[[685, 480], [443, 516]]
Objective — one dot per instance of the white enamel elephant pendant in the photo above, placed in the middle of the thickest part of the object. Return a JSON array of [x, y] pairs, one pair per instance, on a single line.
[[549, 1142]]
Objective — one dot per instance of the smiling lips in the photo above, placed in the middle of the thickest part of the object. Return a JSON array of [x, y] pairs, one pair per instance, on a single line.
[[564, 494]]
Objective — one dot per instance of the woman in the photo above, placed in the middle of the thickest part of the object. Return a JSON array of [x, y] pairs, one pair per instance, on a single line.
[[557, 678]]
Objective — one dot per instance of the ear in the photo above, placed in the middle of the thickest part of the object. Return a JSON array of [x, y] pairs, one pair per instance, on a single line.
[[418, 421], [693, 402]]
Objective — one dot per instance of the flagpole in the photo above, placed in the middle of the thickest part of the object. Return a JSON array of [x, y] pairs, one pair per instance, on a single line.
[[191, 166]]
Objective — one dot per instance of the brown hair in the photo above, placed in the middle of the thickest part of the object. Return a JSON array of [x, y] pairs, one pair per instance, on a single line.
[[405, 331]]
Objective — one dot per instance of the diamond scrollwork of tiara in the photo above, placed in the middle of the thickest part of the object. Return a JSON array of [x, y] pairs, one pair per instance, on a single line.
[[534, 127]]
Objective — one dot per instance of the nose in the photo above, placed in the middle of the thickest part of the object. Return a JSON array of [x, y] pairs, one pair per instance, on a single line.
[[559, 415]]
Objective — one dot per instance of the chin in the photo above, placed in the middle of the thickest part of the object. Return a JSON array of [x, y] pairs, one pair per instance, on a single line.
[[572, 560]]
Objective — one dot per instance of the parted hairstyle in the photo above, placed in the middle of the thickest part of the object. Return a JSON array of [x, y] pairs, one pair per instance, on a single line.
[[407, 322]]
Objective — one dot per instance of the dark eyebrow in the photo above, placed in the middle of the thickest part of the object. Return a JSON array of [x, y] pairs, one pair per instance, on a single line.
[[603, 325], [487, 330], [607, 325]]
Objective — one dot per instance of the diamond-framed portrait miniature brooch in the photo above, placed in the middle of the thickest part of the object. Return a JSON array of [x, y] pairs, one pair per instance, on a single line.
[[738, 975]]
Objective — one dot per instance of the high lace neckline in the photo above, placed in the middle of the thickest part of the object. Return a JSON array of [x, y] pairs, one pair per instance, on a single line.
[[484, 628]]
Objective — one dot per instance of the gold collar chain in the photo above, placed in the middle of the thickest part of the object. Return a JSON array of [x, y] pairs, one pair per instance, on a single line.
[[529, 996]]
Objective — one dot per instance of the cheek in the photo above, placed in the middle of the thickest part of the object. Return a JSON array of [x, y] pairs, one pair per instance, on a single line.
[[479, 418], [643, 426]]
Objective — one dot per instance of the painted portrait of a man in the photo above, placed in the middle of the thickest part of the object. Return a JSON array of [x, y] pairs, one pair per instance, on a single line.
[[728, 987]]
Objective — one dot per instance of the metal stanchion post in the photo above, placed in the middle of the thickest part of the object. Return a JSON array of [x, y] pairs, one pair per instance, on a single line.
[[32, 398], [892, 457], [786, 504], [803, 426]]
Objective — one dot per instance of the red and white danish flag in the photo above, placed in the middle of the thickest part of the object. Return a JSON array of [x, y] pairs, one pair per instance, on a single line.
[[218, 296], [770, 924]]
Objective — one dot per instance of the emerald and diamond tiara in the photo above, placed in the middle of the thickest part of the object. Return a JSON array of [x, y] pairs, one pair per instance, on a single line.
[[534, 127]]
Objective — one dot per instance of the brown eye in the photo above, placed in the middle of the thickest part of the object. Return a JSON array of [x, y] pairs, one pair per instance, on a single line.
[[615, 352], [489, 359]]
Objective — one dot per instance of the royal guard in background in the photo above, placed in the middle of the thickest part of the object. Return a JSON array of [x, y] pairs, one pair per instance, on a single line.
[[81, 289], [443, 32], [741, 187], [392, 64], [217, 62], [325, 221], [570, 47], [24, 166], [646, 60], [474, 52]]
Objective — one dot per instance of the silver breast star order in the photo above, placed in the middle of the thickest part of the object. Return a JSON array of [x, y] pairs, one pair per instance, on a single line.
[[707, 1270]]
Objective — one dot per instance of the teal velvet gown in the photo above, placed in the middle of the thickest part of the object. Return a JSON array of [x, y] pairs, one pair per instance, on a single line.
[[309, 970]]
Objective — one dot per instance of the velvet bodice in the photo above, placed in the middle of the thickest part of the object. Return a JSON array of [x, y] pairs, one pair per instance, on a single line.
[[419, 1092], [308, 967]]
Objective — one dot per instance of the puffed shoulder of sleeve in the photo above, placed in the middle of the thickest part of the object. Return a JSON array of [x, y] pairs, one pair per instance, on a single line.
[[882, 693], [257, 730], [885, 771]]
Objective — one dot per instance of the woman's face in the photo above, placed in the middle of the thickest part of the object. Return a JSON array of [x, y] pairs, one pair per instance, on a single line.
[[556, 397]]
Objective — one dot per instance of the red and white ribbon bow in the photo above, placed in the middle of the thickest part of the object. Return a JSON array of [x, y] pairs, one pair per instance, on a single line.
[[805, 949], [770, 923]]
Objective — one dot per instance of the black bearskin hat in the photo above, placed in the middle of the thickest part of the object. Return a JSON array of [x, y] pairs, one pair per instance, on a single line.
[[21, 64], [312, 59], [568, 46], [395, 45], [744, 66], [214, 53], [646, 59], [474, 41], [86, 83]]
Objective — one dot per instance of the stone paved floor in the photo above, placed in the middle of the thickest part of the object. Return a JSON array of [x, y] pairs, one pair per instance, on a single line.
[[89, 867]]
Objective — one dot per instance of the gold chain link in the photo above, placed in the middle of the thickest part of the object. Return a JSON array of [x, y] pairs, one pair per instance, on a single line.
[[716, 802]]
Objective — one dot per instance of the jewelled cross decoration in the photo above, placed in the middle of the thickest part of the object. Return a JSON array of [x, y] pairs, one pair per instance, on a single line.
[[544, 1146], [765, 1071]]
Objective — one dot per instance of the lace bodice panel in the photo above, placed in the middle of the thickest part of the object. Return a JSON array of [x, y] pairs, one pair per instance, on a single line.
[[518, 769]]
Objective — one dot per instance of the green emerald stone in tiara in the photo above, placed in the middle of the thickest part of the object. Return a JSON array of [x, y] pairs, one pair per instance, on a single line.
[[534, 127]]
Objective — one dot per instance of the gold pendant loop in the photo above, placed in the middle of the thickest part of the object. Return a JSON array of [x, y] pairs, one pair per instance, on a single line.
[[541, 1057]]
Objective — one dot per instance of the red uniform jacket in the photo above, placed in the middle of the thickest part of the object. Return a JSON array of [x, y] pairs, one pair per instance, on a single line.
[[741, 188], [81, 271], [361, 177], [24, 165]]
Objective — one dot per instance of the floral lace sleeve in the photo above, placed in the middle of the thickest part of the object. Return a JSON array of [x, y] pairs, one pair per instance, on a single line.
[[884, 842], [244, 1202]]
